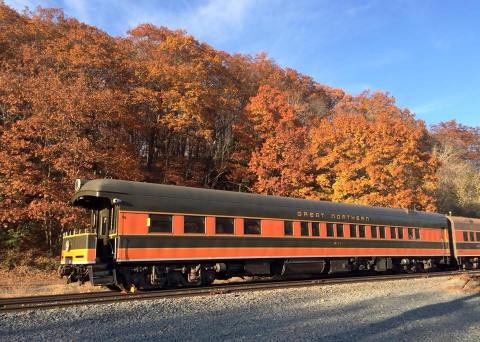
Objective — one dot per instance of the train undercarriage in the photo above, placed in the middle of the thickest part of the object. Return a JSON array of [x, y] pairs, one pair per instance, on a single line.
[[148, 276], [468, 263]]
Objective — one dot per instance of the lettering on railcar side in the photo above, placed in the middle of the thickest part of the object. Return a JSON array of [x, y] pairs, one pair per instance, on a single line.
[[336, 217]]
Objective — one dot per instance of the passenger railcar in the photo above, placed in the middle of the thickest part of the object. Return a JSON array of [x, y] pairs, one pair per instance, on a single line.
[[145, 235], [465, 241]]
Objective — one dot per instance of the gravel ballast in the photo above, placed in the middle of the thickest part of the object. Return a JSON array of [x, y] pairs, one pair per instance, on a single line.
[[419, 309]]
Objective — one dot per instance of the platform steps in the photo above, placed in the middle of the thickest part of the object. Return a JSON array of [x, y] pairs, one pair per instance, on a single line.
[[102, 274]]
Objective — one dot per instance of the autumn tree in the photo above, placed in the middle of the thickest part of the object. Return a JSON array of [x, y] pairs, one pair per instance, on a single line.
[[281, 163], [187, 103], [310, 99], [371, 152], [458, 150], [62, 104]]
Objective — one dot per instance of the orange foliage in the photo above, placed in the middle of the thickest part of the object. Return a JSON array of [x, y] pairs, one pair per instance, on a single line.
[[372, 152], [60, 105], [280, 162], [157, 105], [465, 140]]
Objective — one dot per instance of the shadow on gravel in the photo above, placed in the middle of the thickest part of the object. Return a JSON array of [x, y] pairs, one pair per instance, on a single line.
[[434, 322]]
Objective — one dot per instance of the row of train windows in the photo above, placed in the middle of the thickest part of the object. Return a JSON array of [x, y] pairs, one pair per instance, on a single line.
[[375, 231], [225, 225], [196, 225], [470, 236]]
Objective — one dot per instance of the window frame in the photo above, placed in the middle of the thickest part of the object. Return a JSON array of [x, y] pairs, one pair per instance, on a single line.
[[472, 236], [194, 216], [289, 227], [303, 226], [316, 229], [331, 229], [465, 236], [400, 233], [417, 234], [353, 228], [411, 234], [382, 232], [225, 217], [374, 232], [362, 230], [393, 233], [94, 219], [149, 225], [477, 236], [245, 226], [339, 230]]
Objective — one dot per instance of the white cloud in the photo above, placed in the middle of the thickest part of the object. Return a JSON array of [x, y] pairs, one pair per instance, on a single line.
[[22, 4], [215, 20], [219, 15], [210, 20], [359, 8], [429, 107], [78, 9]]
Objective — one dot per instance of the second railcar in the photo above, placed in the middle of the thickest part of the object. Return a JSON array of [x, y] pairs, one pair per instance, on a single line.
[[465, 241]]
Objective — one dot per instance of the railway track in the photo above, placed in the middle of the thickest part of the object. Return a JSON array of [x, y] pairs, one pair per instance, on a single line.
[[56, 301]]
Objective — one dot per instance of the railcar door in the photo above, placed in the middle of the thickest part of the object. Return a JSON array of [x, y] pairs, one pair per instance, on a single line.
[[104, 245], [102, 273]]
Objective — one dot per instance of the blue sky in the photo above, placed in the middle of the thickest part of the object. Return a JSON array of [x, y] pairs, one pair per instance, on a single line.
[[424, 53]]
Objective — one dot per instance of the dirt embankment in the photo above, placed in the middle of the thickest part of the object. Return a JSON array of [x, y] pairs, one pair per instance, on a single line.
[[24, 281], [27, 274], [464, 282]]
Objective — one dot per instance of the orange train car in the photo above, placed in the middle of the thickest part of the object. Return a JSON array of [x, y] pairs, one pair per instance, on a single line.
[[465, 236], [145, 235]]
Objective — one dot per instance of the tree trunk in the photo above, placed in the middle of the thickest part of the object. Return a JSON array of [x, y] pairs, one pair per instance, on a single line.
[[151, 149]]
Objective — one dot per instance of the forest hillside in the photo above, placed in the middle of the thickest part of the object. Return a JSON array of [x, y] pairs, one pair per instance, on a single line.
[[157, 105]]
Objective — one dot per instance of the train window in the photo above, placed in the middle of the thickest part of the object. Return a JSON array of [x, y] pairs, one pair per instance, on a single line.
[[224, 225], [373, 230], [304, 229], [478, 236], [339, 230], [159, 223], [114, 227], [361, 231], [393, 234], [103, 229], [410, 234], [251, 227], [382, 232], [288, 228], [400, 232], [353, 230], [472, 237], [329, 229], [94, 220], [194, 224], [417, 234], [315, 229], [465, 236]]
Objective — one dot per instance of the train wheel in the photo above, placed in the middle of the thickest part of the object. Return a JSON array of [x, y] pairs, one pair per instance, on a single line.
[[208, 277]]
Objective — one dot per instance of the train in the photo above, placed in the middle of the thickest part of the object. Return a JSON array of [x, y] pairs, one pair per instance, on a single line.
[[145, 236]]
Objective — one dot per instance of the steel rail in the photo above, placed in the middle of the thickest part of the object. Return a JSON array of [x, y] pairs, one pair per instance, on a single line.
[[57, 301]]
